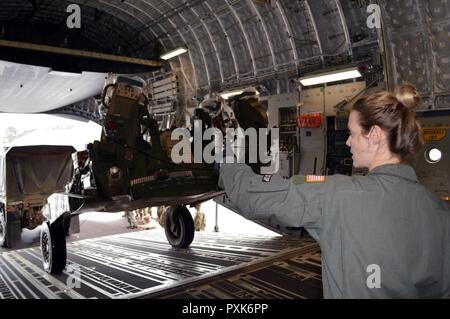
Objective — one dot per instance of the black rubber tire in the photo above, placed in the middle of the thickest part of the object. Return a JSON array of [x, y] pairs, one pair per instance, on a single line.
[[3, 229], [53, 248], [10, 230], [66, 224], [179, 227]]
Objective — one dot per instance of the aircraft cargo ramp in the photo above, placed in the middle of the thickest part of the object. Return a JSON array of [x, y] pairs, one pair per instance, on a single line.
[[144, 265]]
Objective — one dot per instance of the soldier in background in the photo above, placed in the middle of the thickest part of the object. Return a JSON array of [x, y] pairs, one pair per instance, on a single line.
[[131, 217], [199, 219], [161, 215]]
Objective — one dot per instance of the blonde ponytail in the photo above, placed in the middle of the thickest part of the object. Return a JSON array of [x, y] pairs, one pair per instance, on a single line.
[[408, 96]]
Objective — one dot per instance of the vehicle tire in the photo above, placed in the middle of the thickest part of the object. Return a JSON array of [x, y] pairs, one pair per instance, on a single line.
[[179, 227], [66, 219], [3, 229], [53, 248], [10, 230]]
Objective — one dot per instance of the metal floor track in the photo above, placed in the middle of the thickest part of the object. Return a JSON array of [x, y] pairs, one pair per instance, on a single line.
[[144, 265]]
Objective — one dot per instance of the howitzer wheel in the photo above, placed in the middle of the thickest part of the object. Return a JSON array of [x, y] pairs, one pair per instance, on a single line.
[[179, 227], [53, 247]]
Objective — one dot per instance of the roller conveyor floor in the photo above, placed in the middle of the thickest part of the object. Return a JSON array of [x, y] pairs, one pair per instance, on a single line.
[[144, 265]]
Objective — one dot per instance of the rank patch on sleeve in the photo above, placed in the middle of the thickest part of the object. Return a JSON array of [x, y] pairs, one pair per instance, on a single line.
[[267, 178], [315, 179]]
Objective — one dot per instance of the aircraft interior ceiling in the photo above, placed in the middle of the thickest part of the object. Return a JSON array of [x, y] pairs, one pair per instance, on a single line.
[[234, 43]]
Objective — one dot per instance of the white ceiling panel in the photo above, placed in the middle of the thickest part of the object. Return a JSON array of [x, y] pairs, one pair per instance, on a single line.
[[34, 89]]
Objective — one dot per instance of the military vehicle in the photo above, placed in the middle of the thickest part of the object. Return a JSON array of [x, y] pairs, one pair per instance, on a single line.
[[28, 176], [131, 168]]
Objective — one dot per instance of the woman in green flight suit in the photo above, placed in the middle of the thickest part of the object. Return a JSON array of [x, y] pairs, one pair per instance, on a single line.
[[383, 235]]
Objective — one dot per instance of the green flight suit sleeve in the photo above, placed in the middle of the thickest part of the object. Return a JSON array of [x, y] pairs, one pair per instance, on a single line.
[[446, 292], [287, 203]]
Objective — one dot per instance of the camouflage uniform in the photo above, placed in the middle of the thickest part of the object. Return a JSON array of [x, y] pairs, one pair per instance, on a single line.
[[199, 219], [131, 217], [161, 213]]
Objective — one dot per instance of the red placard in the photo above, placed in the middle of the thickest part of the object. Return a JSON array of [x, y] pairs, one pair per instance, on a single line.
[[313, 120]]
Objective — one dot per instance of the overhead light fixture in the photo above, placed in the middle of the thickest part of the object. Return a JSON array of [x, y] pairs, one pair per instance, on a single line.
[[334, 76], [227, 95], [173, 53]]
